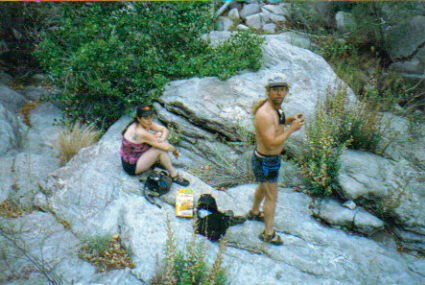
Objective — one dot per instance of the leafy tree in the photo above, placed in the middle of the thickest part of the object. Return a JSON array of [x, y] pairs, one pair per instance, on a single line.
[[108, 57]]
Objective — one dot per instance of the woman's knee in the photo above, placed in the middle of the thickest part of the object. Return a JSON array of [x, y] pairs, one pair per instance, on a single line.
[[163, 153]]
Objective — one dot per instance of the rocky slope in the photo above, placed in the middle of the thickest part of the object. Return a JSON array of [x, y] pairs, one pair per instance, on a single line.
[[92, 196]]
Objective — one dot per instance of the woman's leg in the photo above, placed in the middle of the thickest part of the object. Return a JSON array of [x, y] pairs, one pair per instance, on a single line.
[[151, 156]]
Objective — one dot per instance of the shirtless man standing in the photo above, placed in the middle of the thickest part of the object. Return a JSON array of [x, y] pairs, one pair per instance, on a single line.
[[270, 135]]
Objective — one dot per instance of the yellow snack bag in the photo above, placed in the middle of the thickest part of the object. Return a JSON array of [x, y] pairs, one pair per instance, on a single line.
[[184, 203]]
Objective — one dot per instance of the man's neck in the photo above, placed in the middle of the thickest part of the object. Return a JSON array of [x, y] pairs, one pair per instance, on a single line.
[[276, 107]]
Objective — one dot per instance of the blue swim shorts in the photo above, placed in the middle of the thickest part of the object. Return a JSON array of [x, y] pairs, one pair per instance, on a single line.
[[265, 167]]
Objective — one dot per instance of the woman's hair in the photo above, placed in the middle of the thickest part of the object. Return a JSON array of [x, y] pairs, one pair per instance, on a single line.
[[141, 112]]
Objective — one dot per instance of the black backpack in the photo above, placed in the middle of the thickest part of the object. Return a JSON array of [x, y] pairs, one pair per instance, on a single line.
[[156, 184], [209, 221]]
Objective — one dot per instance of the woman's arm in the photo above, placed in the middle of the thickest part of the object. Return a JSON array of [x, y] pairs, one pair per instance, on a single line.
[[162, 146], [162, 130]]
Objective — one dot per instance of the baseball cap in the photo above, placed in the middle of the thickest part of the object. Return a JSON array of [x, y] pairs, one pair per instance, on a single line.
[[144, 111], [277, 80]]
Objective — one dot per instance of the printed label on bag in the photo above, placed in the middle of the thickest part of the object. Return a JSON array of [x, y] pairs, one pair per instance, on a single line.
[[184, 203]]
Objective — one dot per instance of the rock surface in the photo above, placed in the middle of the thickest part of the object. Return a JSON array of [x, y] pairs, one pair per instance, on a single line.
[[95, 203], [393, 188], [11, 100], [354, 219], [345, 22], [406, 37], [92, 195], [11, 132]]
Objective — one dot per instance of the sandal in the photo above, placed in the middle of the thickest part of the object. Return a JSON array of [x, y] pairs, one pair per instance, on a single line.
[[272, 238], [180, 180], [255, 217]]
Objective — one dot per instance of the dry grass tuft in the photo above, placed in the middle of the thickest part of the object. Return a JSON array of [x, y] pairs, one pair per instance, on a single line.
[[106, 253], [9, 209], [223, 172], [73, 138]]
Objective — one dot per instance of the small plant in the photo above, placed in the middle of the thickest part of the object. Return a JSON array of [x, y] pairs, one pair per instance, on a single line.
[[333, 48], [362, 123], [223, 172], [96, 245], [10, 209], [174, 135], [73, 138], [62, 221], [385, 207], [188, 267], [320, 164], [105, 252], [216, 274], [244, 134]]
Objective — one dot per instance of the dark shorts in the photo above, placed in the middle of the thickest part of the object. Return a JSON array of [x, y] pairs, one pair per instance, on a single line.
[[129, 168], [266, 167]]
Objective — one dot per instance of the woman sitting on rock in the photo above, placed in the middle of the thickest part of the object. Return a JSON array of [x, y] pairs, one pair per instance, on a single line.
[[143, 145]]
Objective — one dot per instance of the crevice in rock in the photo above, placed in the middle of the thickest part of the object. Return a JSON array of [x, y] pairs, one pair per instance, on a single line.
[[250, 249], [39, 264], [413, 54], [179, 109]]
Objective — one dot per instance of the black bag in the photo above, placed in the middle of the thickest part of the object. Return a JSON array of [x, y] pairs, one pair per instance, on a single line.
[[209, 221], [156, 184]]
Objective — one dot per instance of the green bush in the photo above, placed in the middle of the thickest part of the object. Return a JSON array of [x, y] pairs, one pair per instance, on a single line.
[[106, 57], [320, 164], [338, 124]]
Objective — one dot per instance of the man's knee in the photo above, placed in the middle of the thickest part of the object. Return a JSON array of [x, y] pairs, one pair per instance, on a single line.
[[270, 191]]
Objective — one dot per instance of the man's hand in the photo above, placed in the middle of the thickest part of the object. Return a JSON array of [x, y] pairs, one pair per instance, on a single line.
[[294, 117], [297, 123]]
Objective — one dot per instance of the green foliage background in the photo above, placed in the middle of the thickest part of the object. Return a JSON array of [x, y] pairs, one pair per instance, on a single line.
[[109, 56]]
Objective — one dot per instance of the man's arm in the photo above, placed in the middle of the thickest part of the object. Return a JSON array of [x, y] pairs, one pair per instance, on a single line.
[[268, 130]]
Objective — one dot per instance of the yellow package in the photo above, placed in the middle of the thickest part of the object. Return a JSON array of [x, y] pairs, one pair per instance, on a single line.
[[184, 203]]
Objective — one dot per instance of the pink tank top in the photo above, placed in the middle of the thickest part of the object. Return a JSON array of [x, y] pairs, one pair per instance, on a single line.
[[130, 152]]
